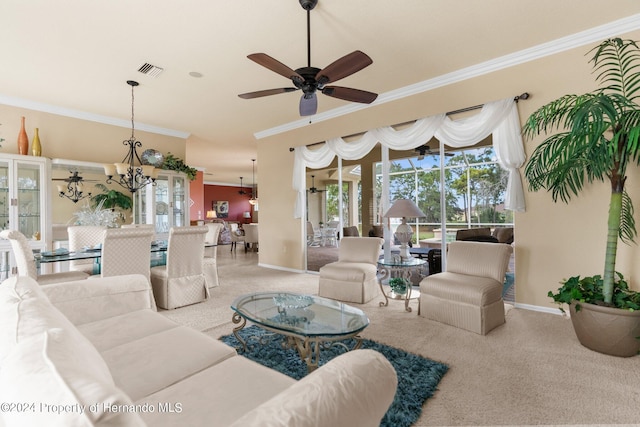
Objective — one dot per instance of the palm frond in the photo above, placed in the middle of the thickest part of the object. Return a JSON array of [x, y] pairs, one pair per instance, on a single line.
[[627, 230], [616, 61]]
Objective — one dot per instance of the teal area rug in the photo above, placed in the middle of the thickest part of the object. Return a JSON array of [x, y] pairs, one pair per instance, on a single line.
[[418, 377]]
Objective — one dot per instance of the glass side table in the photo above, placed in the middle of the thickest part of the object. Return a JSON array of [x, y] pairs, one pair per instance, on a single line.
[[403, 269]]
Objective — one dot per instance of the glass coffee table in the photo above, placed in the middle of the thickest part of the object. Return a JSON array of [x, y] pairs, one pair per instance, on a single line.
[[309, 323]]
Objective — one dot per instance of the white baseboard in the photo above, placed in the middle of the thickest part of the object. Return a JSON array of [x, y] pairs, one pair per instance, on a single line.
[[277, 267], [539, 308]]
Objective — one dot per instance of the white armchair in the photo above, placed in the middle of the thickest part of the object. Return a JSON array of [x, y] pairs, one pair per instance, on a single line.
[[181, 282], [353, 278], [468, 295]]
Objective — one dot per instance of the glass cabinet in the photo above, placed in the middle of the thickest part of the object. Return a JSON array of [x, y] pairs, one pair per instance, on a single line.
[[24, 202], [164, 204]]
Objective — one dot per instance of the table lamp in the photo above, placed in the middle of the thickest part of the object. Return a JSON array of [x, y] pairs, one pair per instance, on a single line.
[[211, 214], [404, 208]]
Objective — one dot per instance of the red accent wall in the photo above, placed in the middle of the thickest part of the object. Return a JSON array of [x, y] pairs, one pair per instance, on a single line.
[[196, 193], [238, 203]]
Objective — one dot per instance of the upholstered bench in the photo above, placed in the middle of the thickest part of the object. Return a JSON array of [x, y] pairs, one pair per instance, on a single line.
[[468, 295]]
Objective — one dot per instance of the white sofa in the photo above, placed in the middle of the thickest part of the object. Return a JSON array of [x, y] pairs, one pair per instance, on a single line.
[[96, 353]]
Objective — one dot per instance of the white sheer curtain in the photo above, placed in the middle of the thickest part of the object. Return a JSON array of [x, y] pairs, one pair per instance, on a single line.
[[499, 118]]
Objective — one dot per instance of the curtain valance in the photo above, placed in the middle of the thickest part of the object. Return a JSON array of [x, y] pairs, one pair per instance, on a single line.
[[499, 118]]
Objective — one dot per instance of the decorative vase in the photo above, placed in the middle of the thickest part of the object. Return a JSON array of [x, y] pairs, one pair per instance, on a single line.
[[23, 139], [36, 147], [607, 330]]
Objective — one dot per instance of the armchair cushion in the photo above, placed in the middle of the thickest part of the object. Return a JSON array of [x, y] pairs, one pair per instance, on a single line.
[[360, 249]]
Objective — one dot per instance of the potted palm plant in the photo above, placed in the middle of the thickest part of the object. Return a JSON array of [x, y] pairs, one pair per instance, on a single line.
[[597, 139]]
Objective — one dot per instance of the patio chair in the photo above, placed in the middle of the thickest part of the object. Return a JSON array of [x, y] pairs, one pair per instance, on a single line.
[[26, 263], [314, 236], [181, 282]]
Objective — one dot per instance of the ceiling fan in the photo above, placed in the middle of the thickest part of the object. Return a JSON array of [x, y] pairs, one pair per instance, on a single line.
[[313, 188], [311, 80], [74, 190], [242, 192], [425, 150]]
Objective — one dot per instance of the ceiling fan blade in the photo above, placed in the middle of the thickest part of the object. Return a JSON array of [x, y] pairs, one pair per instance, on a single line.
[[308, 104], [343, 67], [274, 65], [267, 92], [349, 94]]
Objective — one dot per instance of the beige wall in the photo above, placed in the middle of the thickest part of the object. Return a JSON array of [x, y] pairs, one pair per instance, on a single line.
[[552, 241], [81, 140]]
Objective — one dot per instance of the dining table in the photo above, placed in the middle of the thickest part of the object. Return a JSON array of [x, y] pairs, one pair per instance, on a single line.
[[158, 255]]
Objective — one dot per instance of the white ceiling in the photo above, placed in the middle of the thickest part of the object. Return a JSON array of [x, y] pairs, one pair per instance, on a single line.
[[74, 56]]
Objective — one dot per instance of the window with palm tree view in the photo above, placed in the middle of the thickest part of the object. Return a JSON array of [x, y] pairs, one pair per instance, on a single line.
[[474, 186]]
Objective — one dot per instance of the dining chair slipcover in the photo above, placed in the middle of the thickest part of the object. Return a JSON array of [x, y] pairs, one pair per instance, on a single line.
[[353, 278], [250, 236], [237, 235], [209, 262], [126, 251], [181, 282], [82, 236], [26, 263]]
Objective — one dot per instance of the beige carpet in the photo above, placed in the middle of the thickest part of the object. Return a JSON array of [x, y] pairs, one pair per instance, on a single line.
[[530, 371]]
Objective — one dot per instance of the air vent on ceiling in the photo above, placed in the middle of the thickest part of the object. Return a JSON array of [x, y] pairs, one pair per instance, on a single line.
[[150, 70]]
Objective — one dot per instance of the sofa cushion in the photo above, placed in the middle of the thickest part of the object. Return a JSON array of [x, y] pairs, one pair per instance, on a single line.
[[25, 311], [151, 363], [474, 290], [348, 271], [118, 330], [332, 396], [233, 388], [64, 379]]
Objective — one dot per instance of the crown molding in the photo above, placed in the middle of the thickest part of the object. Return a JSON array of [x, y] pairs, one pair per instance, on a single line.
[[553, 47], [83, 115]]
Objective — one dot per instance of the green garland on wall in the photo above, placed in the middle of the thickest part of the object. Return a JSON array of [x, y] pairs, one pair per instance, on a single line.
[[174, 163]]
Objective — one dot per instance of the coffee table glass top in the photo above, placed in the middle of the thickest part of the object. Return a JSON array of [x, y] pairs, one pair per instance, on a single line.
[[305, 315]]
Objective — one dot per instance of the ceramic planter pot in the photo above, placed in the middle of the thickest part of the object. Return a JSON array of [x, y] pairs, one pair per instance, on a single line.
[[607, 330]]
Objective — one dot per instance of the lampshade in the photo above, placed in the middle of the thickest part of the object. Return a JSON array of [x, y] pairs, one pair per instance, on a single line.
[[211, 214], [404, 208], [246, 214]]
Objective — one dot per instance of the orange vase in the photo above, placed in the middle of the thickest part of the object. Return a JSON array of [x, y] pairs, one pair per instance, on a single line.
[[23, 140]]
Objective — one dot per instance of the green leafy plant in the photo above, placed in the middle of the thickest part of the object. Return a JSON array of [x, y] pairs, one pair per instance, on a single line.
[[598, 139], [111, 199], [590, 290], [398, 285], [174, 163]]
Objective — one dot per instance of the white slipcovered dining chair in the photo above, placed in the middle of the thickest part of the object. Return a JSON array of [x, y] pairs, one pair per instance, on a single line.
[[209, 262], [250, 237], [80, 237], [237, 235], [26, 262], [181, 282], [126, 251]]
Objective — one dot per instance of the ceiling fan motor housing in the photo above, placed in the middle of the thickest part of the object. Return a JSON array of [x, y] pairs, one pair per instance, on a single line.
[[308, 4]]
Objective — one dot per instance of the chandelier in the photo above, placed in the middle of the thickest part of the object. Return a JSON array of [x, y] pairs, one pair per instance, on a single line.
[[128, 174], [254, 191], [75, 188]]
